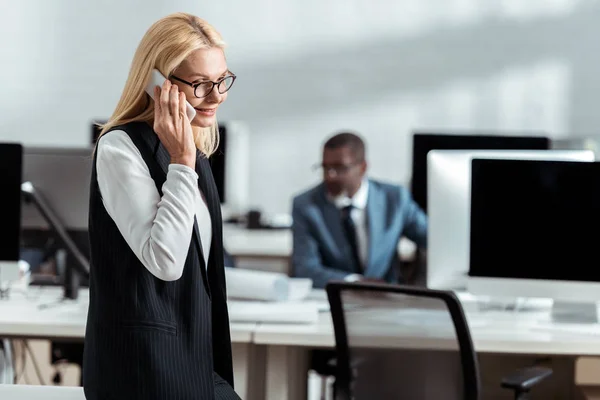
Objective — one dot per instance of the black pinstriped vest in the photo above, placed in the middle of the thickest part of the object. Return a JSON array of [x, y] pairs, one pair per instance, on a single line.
[[147, 338]]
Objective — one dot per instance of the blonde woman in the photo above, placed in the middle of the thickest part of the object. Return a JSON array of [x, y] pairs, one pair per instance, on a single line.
[[158, 325]]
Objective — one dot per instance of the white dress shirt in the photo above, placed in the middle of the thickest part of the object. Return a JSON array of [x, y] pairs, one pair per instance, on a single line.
[[359, 217], [158, 230]]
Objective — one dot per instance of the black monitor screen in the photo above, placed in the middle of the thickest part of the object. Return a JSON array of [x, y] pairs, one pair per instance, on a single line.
[[535, 220], [217, 163], [424, 142], [11, 156]]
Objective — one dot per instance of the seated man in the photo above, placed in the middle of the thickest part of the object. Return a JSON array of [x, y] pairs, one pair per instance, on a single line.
[[349, 226]]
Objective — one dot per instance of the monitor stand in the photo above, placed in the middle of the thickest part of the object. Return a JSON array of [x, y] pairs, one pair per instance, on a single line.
[[574, 312]]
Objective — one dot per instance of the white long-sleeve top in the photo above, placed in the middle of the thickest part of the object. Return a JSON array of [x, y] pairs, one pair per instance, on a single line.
[[158, 230]]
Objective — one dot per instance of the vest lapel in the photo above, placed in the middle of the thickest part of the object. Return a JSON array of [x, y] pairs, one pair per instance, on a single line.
[[209, 189], [210, 195]]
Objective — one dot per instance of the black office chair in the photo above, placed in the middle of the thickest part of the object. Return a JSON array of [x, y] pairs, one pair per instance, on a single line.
[[399, 342]]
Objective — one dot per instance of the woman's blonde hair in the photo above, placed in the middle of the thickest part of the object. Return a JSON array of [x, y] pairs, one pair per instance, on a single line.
[[167, 43]]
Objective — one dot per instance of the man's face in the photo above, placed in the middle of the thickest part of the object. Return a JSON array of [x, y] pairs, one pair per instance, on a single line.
[[342, 172]]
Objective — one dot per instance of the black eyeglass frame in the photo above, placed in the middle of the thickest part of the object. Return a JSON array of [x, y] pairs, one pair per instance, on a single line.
[[339, 169], [217, 84]]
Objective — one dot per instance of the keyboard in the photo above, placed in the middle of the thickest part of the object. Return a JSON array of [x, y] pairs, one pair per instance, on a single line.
[[570, 329]]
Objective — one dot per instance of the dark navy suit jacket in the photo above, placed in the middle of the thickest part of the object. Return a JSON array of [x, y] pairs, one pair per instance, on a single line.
[[320, 248]]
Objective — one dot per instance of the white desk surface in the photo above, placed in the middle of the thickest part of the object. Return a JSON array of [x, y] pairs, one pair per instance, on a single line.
[[276, 242], [32, 392], [492, 331], [21, 316], [508, 332]]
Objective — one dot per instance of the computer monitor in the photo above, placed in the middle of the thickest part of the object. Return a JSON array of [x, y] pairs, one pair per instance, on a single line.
[[230, 165], [11, 155], [423, 142], [62, 176], [449, 208], [55, 189], [533, 233]]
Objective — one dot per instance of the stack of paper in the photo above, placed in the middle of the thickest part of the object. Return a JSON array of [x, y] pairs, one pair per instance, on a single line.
[[282, 313], [265, 286]]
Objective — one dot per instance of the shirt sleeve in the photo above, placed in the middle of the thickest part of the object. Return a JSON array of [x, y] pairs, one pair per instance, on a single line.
[[158, 230]]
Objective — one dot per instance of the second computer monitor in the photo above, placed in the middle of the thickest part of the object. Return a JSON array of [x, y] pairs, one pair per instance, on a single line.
[[425, 142], [534, 229], [10, 201], [449, 208]]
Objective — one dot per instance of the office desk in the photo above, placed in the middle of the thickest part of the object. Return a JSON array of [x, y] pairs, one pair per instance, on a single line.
[[494, 332], [22, 318], [22, 315], [39, 314], [32, 392]]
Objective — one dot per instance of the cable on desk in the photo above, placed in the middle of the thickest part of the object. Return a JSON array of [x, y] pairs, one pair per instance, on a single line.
[[55, 303], [27, 294], [5, 291], [35, 296], [30, 294]]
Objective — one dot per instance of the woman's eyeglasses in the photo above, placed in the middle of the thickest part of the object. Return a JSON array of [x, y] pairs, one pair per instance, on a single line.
[[204, 88]]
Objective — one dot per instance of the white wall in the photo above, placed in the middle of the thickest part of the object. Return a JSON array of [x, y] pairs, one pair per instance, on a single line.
[[309, 68]]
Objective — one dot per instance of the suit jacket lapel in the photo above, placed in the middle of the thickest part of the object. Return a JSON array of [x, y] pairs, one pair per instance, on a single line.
[[333, 223], [376, 226]]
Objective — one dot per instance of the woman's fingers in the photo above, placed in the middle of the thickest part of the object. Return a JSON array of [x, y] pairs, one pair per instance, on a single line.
[[174, 102], [164, 97], [182, 105]]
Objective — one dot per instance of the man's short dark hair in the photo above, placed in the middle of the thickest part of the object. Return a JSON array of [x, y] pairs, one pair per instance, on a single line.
[[350, 140]]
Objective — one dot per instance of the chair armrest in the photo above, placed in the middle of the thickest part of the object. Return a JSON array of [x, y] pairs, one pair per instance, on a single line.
[[523, 380]]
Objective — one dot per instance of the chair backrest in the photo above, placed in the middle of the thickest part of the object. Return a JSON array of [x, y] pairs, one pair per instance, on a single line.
[[398, 342]]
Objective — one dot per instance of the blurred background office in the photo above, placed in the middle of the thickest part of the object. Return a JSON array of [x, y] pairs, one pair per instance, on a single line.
[[306, 70]]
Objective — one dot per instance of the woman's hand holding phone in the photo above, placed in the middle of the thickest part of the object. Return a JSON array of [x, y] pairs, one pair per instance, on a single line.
[[172, 124]]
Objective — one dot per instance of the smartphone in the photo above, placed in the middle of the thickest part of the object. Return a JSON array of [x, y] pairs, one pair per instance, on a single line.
[[157, 79]]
